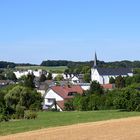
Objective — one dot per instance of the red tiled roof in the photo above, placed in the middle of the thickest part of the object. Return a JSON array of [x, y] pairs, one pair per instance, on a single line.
[[108, 86], [64, 90]]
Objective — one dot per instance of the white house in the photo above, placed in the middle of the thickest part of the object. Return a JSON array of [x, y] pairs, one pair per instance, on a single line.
[[102, 75], [74, 80], [19, 74], [56, 96]]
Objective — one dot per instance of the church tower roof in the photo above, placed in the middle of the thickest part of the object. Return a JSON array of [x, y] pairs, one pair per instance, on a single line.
[[95, 61]]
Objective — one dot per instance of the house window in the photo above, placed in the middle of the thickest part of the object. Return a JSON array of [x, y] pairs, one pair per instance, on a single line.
[[50, 100], [71, 93]]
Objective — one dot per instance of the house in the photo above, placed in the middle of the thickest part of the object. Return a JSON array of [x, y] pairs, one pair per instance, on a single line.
[[4, 83], [74, 80], [102, 75], [36, 73], [56, 96]]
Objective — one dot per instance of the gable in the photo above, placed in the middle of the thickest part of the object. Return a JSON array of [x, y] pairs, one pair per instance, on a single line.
[[74, 78], [50, 94], [95, 72]]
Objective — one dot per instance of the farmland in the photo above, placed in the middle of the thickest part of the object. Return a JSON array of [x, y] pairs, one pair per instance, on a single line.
[[58, 69]]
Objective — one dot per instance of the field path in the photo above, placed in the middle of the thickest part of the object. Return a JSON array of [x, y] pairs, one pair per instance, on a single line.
[[119, 129]]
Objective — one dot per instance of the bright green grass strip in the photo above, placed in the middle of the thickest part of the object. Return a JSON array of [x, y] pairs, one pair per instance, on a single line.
[[52, 119]]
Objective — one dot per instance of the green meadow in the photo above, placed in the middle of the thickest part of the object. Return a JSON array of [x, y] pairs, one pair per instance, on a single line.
[[59, 69], [53, 119]]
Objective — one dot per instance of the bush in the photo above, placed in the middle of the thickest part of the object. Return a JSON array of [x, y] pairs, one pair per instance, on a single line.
[[138, 108], [19, 112], [4, 118], [69, 105], [30, 115]]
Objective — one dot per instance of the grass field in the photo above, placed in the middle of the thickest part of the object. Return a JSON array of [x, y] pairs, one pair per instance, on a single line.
[[52, 119], [59, 69]]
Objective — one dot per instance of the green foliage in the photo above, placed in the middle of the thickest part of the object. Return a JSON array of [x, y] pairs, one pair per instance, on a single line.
[[4, 64], [2, 77], [10, 75], [119, 82], [28, 81], [112, 80], [49, 77], [19, 112], [127, 99], [69, 105], [95, 88], [30, 115], [124, 99], [87, 78], [59, 78], [15, 100], [2, 101], [4, 118], [42, 78]]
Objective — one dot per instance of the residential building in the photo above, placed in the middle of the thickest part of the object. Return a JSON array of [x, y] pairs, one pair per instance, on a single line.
[[56, 96]]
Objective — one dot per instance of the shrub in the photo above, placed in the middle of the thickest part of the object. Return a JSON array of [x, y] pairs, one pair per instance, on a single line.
[[138, 108], [4, 118], [19, 112], [30, 115], [69, 105]]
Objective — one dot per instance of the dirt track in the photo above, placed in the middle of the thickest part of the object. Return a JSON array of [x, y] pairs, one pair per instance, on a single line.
[[121, 129]]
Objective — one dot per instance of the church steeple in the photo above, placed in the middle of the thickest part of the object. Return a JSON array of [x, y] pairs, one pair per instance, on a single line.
[[95, 61]]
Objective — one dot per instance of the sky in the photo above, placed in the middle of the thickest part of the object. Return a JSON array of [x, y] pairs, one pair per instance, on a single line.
[[35, 30]]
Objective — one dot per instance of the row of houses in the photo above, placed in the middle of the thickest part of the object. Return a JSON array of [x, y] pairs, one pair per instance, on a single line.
[[74, 79]]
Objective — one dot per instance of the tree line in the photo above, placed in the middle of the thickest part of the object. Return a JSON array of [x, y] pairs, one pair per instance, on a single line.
[[116, 64]]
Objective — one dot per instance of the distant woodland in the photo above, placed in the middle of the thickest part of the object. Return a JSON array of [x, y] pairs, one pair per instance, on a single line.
[[69, 64]]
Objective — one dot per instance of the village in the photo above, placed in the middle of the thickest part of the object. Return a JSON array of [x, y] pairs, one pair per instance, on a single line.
[[58, 88]]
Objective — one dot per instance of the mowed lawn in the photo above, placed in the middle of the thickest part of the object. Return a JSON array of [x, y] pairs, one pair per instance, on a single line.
[[59, 69], [52, 119]]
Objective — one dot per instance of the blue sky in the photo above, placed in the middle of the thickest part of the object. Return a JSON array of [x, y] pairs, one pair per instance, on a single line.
[[36, 30]]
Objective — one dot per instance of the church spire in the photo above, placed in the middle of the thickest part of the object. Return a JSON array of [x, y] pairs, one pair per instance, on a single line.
[[95, 61]]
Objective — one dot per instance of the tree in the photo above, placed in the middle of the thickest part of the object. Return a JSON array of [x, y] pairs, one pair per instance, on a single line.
[[2, 101], [2, 77], [129, 80], [59, 78], [87, 77], [22, 96], [28, 81], [10, 75], [120, 82], [86, 69], [42, 78], [49, 77], [95, 87], [112, 80], [69, 105]]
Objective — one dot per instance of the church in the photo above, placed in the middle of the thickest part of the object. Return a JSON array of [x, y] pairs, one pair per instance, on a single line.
[[102, 75]]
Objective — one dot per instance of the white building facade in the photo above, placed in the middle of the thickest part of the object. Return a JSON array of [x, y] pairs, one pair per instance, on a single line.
[[103, 75]]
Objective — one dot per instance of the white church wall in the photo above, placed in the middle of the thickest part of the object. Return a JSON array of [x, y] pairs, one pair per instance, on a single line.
[[95, 75]]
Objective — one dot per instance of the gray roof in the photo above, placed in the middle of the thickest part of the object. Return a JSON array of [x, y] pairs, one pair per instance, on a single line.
[[114, 71]]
